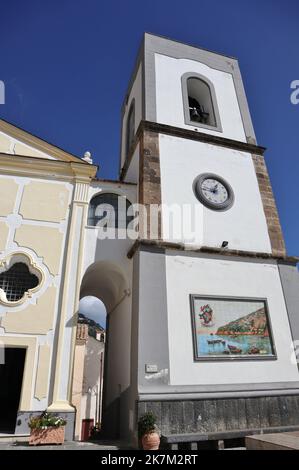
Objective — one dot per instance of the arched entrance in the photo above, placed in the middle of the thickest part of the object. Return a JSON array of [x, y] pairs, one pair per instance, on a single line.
[[106, 282], [89, 367]]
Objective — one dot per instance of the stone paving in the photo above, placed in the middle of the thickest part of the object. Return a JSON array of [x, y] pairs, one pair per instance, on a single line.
[[73, 445]]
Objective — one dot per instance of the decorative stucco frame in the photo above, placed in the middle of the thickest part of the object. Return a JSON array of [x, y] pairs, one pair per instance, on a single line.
[[21, 257]]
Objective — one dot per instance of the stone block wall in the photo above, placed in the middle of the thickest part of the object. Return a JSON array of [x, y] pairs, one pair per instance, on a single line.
[[270, 209]]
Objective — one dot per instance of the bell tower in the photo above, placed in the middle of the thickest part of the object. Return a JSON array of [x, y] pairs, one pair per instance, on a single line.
[[191, 106], [213, 318]]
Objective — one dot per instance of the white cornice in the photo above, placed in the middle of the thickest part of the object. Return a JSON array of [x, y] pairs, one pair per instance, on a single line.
[[20, 165]]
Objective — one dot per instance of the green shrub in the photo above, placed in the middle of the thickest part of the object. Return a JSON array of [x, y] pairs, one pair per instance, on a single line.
[[46, 420], [147, 424]]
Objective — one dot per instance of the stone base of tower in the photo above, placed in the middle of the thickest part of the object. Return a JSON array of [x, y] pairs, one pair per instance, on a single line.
[[194, 422]]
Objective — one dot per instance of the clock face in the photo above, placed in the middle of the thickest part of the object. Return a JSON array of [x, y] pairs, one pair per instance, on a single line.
[[213, 191]]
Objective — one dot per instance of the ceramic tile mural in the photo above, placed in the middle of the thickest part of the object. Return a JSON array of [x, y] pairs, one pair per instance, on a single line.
[[231, 328]]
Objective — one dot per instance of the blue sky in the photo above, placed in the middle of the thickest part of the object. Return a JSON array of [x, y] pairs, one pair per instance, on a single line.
[[66, 65], [93, 308]]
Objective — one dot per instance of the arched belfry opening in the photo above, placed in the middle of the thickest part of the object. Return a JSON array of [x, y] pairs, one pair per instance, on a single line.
[[200, 102], [104, 290]]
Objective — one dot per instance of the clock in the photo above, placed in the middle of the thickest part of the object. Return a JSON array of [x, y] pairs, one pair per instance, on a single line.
[[213, 191]]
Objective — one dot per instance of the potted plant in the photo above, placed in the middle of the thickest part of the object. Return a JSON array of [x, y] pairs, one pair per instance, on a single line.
[[46, 429], [148, 431], [95, 433]]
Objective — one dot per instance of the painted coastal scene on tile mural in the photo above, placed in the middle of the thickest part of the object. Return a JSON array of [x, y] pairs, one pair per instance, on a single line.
[[227, 328]]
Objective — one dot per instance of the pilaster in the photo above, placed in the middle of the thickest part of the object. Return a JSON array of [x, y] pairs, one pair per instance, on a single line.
[[70, 299]]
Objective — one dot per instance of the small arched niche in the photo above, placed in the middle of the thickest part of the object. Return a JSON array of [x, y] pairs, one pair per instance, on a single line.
[[200, 104]]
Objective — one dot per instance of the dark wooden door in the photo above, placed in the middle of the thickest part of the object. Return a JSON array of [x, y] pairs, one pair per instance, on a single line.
[[11, 377]]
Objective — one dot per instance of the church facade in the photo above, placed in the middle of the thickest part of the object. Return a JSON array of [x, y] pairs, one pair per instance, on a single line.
[[201, 326]]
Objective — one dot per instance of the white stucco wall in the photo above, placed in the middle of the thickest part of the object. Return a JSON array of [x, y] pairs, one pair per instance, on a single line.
[[114, 251], [92, 376], [169, 98], [132, 175], [244, 224], [203, 276]]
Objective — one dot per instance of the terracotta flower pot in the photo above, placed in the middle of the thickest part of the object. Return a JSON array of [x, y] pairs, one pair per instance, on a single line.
[[49, 435], [151, 441]]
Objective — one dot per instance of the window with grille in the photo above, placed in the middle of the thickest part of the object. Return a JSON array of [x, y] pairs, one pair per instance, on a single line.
[[111, 207], [16, 281]]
